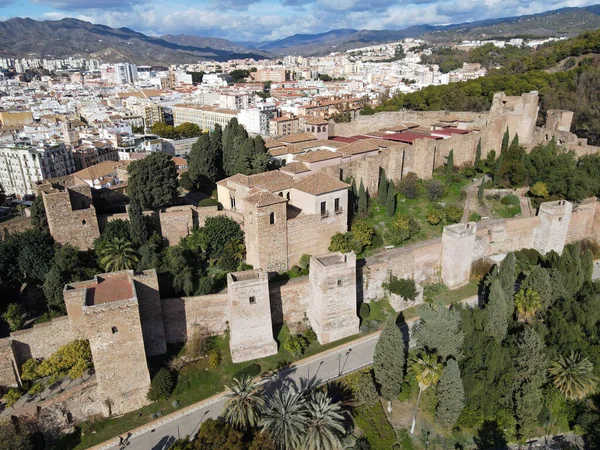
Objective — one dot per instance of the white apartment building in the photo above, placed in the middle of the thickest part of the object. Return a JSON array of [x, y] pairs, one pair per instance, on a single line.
[[119, 74], [22, 165], [256, 120], [204, 116]]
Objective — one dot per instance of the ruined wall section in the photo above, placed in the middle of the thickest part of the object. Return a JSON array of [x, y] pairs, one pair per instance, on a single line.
[[71, 217], [42, 340]]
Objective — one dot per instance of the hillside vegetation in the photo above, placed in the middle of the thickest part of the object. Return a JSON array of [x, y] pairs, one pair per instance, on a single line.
[[518, 71]]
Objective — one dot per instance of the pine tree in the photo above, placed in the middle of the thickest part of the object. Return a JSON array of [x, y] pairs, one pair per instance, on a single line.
[[450, 395], [531, 366], [481, 192], [505, 140], [383, 187], [203, 163], [450, 163], [496, 325], [363, 201], [388, 361], [137, 224], [478, 152], [439, 330], [390, 203]]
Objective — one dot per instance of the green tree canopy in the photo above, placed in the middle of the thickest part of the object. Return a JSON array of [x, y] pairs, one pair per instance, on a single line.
[[153, 181]]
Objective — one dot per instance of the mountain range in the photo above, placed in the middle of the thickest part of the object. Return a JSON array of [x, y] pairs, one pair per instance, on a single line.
[[24, 37]]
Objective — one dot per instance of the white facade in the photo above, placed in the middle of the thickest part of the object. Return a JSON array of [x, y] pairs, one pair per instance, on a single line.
[[22, 165]]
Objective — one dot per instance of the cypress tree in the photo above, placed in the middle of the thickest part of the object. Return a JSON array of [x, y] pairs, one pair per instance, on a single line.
[[481, 192], [137, 225], [505, 140], [439, 330], [531, 366], [514, 145], [363, 201], [478, 152], [450, 163], [538, 280], [383, 187], [507, 278], [450, 395], [260, 156], [390, 202], [498, 169], [203, 163], [216, 149], [388, 361], [353, 194], [496, 325]]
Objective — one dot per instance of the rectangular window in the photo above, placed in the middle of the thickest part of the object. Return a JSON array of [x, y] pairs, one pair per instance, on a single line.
[[337, 204], [252, 300], [323, 208]]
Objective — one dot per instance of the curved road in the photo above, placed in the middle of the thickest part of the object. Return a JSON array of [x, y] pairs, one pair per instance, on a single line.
[[318, 369]]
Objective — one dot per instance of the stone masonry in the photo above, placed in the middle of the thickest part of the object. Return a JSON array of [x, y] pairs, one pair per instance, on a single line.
[[458, 243], [250, 316], [332, 308]]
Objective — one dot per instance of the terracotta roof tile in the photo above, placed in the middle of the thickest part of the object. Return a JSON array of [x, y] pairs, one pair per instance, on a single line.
[[271, 181], [317, 155], [298, 137], [295, 167], [264, 198], [320, 183], [110, 289], [362, 146]]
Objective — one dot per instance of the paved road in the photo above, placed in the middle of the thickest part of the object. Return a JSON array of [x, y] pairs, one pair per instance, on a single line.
[[320, 369]]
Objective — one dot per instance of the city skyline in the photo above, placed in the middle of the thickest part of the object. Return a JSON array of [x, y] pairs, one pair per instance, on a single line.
[[263, 20]]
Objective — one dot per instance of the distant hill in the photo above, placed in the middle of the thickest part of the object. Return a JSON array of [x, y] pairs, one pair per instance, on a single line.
[[561, 22], [72, 37]]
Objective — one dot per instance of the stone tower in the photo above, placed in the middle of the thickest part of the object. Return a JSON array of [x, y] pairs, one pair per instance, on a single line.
[[551, 233], [250, 316], [265, 228], [458, 244], [106, 311], [332, 303], [70, 134]]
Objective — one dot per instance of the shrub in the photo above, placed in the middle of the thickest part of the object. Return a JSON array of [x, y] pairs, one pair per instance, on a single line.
[[295, 272], [510, 200], [72, 359], [14, 316], [365, 392], [375, 426], [214, 358], [431, 291], [36, 389], [474, 217], [480, 268], [205, 285], [489, 197], [539, 189], [29, 370], [402, 229], [295, 345], [434, 218], [364, 311], [208, 202], [362, 232], [304, 262], [435, 190], [344, 242], [403, 287], [410, 186], [469, 172], [453, 214], [310, 335], [161, 385], [591, 245], [11, 397]]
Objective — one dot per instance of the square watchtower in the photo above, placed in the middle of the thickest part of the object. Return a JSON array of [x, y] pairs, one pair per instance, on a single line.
[[250, 316]]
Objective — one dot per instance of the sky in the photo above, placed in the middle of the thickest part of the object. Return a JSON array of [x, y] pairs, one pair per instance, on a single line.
[[261, 20]]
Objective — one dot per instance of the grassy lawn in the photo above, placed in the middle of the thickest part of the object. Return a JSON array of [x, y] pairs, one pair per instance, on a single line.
[[504, 211], [195, 382], [418, 209], [446, 296]]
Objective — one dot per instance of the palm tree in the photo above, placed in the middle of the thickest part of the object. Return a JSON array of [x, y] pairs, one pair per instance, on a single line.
[[237, 249], [285, 418], [573, 375], [427, 370], [244, 403], [528, 302], [325, 423], [118, 255]]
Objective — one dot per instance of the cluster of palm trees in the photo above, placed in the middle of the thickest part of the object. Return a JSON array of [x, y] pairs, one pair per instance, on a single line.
[[294, 418]]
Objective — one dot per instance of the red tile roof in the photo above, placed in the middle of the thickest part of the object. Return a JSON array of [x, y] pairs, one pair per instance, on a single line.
[[408, 137], [110, 289]]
